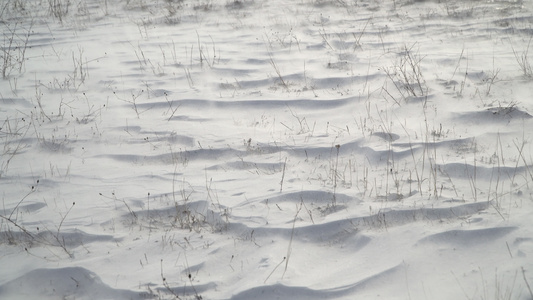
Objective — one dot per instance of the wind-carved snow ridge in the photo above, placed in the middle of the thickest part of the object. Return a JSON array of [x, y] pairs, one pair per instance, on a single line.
[[239, 149], [69, 283]]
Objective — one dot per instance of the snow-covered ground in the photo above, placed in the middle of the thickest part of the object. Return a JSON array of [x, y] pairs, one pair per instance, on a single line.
[[311, 149]]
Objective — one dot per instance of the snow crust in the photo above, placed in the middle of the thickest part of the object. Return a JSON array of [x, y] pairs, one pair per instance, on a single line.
[[313, 149]]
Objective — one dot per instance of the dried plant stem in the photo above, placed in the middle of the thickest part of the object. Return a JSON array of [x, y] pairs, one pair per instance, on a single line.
[[283, 175], [527, 283], [289, 249]]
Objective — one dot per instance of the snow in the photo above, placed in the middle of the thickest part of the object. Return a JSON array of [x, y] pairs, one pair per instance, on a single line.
[[313, 149]]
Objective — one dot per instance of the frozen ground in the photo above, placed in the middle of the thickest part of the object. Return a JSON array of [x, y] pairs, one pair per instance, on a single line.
[[275, 149]]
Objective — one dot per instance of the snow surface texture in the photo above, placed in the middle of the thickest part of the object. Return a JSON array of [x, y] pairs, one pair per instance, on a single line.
[[275, 149]]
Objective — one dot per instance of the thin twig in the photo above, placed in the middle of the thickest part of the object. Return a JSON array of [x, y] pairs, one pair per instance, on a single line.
[[289, 249], [527, 283]]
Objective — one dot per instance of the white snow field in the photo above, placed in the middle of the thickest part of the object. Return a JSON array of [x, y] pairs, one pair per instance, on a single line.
[[310, 149]]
